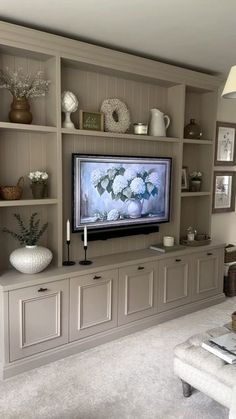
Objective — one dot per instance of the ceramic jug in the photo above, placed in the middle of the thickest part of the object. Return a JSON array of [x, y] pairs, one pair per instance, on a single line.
[[158, 123]]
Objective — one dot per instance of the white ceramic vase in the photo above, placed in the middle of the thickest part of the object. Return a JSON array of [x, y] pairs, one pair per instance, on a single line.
[[31, 259]]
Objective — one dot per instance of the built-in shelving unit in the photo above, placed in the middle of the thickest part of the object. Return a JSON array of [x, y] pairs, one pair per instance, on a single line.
[[93, 74]]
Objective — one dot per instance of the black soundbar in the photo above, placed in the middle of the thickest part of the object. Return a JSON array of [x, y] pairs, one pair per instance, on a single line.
[[108, 233]]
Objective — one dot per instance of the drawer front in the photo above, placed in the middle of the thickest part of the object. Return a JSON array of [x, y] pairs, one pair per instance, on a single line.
[[174, 284], [93, 303], [137, 292], [38, 318], [208, 273]]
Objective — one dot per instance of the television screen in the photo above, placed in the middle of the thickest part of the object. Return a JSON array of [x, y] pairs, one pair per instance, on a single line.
[[114, 191]]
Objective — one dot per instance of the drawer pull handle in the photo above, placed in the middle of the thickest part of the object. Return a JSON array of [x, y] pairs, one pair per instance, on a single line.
[[140, 268], [42, 289], [209, 254], [177, 260], [97, 277]]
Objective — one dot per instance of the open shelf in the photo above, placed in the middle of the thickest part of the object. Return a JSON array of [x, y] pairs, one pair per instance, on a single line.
[[190, 194], [28, 202], [26, 127], [201, 141], [103, 134]]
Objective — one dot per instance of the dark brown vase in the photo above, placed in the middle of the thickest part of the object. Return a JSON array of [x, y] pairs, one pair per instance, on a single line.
[[39, 190], [192, 130], [20, 111]]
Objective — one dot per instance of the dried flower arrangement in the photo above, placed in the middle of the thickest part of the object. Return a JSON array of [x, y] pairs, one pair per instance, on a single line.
[[23, 85], [38, 177], [195, 175]]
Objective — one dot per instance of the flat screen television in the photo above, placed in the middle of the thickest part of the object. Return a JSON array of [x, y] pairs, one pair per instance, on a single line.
[[118, 191]]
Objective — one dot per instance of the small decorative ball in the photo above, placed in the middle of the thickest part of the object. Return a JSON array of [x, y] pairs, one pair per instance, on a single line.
[[69, 102]]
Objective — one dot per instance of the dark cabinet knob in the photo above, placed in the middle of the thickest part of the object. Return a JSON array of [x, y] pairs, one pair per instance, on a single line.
[[97, 277], [209, 254], [42, 289], [177, 260], [140, 268]]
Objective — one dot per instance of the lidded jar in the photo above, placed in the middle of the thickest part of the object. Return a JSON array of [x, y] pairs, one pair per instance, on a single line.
[[192, 130]]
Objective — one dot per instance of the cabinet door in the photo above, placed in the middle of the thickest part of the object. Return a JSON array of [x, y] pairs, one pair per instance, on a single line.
[[38, 318], [93, 303], [174, 287], [208, 273], [137, 292]]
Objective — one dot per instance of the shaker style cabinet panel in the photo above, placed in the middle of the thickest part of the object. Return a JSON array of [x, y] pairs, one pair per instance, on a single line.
[[93, 303], [208, 273], [38, 318], [174, 285], [137, 292]]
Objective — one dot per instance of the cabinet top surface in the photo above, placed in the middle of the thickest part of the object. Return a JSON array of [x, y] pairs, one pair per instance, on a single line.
[[12, 279]]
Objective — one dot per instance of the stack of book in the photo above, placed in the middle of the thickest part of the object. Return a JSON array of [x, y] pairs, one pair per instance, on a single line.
[[223, 346]]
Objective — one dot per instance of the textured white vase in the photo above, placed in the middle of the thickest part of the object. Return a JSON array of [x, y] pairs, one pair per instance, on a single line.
[[31, 259]]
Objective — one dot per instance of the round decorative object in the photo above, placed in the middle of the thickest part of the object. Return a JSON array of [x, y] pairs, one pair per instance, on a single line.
[[31, 259], [117, 116], [192, 130], [20, 111], [134, 208], [69, 104], [39, 190]]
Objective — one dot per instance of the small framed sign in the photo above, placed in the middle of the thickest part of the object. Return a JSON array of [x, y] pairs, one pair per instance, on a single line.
[[91, 120], [225, 144]]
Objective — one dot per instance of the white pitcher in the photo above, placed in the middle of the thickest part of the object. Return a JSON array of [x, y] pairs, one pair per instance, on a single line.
[[158, 123]]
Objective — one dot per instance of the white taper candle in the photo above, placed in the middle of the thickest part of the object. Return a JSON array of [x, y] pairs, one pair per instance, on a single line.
[[68, 230], [85, 236]]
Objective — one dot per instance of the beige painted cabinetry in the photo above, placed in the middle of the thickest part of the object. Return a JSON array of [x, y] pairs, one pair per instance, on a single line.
[[61, 311], [207, 266], [174, 285], [125, 298], [38, 318], [137, 292], [93, 303]]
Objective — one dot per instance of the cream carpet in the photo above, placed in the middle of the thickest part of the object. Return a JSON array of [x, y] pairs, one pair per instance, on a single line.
[[130, 378]]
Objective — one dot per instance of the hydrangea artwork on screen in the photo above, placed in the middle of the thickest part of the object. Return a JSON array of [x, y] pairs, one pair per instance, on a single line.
[[118, 191]]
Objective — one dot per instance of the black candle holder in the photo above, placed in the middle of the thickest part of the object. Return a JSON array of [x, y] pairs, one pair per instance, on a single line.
[[85, 261], [68, 262]]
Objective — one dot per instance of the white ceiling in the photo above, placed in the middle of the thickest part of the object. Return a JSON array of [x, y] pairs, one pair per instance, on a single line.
[[198, 34]]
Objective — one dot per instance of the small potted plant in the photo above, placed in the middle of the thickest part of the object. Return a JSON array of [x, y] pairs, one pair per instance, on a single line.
[[195, 181], [39, 184], [23, 87], [31, 258]]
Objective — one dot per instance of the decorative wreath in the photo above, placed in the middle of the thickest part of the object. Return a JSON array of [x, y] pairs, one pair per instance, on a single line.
[[116, 114]]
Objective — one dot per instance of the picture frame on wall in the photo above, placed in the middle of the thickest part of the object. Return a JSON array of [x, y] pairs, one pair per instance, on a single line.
[[223, 192], [91, 120], [184, 179], [225, 148]]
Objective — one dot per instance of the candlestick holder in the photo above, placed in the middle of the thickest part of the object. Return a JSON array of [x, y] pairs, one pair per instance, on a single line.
[[85, 261], [68, 262]]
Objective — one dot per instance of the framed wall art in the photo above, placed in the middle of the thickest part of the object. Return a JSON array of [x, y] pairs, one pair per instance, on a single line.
[[91, 120], [184, 179], [223, 192], [225, 144]]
